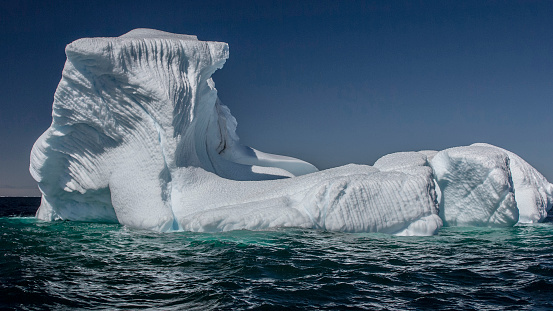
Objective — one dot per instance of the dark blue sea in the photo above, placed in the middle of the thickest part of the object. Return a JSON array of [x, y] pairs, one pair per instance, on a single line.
[[71, 265]]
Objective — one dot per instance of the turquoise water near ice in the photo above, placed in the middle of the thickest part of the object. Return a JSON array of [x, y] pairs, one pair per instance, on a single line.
[[71, 265]]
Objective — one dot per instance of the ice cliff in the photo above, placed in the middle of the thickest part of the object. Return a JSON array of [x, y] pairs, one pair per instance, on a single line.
[[139, 137]]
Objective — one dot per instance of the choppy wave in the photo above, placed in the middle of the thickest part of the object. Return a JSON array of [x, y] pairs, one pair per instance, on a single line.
[[70, 265]]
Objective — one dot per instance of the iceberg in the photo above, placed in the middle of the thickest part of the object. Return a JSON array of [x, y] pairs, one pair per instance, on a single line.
[[139, 137]]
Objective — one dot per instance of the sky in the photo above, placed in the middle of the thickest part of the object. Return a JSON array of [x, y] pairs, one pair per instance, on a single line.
[[330, 82]]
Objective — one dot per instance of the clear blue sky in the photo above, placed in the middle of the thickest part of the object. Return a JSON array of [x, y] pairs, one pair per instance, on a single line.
[[331, 82]]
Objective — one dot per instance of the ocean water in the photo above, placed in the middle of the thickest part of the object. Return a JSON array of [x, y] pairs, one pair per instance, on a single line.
[[71, 265]]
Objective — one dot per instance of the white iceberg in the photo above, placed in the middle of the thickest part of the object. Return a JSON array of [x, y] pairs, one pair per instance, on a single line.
[[139, 137]]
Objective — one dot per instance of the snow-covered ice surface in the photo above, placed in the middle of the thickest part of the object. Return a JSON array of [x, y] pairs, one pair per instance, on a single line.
[[139, 137]]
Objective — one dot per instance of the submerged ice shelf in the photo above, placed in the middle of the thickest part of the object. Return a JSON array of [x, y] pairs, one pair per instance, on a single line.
[[139, 137]]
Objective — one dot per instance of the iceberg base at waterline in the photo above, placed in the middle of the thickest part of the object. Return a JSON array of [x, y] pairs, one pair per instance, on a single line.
[[139, 137]]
